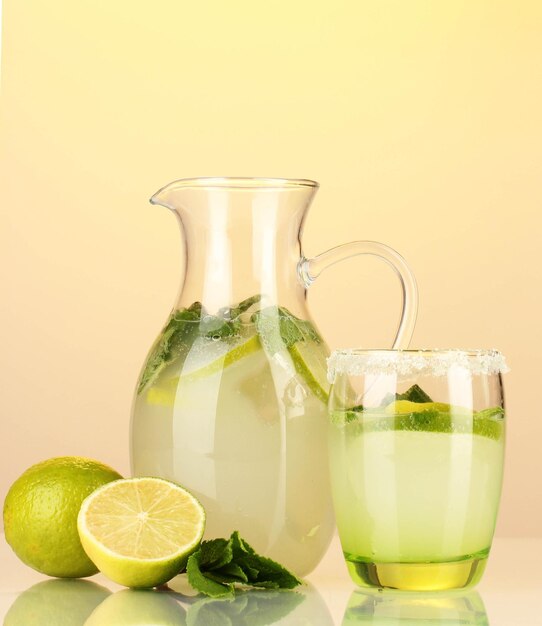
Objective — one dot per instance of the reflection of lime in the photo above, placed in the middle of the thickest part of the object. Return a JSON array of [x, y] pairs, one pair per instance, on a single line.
[[56, 603], [140, 531], [138, 608], [40, 514], [195, 369], [310, 364]]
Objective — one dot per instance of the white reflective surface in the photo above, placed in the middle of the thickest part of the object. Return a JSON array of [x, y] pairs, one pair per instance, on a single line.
[[509, 595]]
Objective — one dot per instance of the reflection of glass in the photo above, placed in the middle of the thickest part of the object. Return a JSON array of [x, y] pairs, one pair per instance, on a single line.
[[138, 607], [56, 603], [240, 362], [262, 608], [391, 608], [416, 449]]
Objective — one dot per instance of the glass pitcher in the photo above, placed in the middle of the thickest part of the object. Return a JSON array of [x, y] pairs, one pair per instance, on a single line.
[[231, 402]]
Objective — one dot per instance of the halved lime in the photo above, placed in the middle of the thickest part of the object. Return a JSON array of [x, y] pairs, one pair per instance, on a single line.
[[140, 531], [203, 360]]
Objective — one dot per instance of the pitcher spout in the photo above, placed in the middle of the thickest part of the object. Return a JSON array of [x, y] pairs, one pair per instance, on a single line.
[[165, 197]]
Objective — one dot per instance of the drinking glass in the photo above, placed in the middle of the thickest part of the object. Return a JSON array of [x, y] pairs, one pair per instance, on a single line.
[[416, 456]]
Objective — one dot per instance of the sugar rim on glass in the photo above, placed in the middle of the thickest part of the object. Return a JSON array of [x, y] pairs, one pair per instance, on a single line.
[[422, 362]]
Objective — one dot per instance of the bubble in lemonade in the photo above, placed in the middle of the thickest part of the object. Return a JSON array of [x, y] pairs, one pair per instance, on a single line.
[[232, 406], [416, 482]]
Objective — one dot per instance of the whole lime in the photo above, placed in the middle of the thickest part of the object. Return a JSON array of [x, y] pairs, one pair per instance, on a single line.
[[40, 514]]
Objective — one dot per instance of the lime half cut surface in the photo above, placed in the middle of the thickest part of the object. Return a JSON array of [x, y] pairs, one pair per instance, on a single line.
[[140, 531]]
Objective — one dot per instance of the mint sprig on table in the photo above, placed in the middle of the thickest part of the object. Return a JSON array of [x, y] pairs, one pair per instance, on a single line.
[[219, 565]]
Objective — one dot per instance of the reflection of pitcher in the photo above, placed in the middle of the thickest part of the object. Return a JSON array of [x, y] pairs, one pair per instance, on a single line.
[[424, 609], [231, 402]]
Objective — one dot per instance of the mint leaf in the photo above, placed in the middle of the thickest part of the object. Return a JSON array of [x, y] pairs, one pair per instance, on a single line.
[[233, 571], [215, 327], [495, 412], [239, 546], [270, 573], [215, 553], [489, 423], [228, 321], [235, 312], [279, 329], [261, 571], [175, 340], [413, 394], [341, 418], [220, 576], [203, 583]]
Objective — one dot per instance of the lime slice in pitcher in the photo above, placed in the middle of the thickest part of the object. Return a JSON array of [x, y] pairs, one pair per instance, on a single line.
[[310, 363], [202, 361]]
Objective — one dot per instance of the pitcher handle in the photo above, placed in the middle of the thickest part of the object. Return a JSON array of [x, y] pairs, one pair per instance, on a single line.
[[310, 269]]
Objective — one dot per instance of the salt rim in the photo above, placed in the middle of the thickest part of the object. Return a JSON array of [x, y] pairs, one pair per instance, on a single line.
[[422, 362]]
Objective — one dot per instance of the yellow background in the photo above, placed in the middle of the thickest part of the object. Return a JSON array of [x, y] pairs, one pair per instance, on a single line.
[[421, 119]]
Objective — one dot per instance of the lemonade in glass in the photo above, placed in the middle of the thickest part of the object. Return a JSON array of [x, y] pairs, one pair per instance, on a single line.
[[416, 457]]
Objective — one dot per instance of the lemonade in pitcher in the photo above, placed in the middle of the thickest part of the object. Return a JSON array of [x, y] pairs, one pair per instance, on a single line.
[[217, 400]]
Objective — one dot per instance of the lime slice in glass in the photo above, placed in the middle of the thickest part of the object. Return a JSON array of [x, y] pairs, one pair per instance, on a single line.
[[399, 407], [140, 531]]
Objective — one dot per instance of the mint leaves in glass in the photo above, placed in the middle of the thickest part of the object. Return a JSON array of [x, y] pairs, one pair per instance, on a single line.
[[416, 455]]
